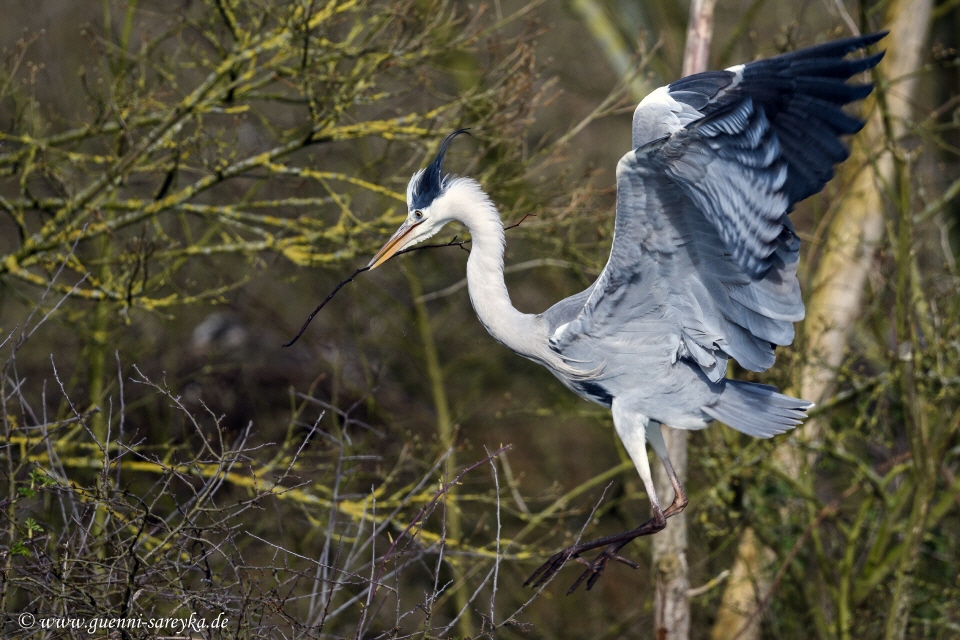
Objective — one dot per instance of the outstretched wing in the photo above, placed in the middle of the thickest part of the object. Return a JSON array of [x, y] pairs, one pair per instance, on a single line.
[[800, 94], [702, 239]]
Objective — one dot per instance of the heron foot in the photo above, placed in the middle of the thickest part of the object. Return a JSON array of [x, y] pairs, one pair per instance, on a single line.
[[612, 546], [594, 569]]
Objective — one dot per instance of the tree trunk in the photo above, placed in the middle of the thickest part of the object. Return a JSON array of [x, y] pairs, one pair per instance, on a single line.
[[837, 289], [671, 604]]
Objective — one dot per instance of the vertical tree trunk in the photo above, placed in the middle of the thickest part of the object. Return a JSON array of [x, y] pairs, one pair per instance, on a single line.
[[671, 604], [837, 288]]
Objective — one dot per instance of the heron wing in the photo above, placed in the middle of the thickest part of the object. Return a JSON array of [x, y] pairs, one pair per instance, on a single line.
[[800, 94], [702, 238], [671, 272]]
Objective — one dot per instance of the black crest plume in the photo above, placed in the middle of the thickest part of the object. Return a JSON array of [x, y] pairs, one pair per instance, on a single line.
[[431, 180]]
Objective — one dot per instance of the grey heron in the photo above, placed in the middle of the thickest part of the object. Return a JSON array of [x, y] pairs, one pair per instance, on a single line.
[[703, 266]]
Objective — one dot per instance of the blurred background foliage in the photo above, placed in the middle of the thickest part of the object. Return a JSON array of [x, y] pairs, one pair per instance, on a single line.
[[181, 184]]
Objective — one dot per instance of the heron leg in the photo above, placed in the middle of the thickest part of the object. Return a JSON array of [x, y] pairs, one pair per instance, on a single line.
[[655, 438], [632, 429]]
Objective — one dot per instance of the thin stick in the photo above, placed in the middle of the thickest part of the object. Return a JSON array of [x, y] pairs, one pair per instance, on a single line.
[[453, 243], [496, 561], [323, 304], [517, 224], [420, 515]]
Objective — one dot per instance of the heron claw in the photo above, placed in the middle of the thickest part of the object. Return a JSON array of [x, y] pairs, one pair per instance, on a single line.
[[611, 551], [545, 571], [593, 569]]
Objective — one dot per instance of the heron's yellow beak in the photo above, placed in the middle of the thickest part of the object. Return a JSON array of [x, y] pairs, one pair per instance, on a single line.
[[394, 244]]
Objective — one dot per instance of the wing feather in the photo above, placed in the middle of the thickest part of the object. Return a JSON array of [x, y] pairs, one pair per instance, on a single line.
[[703, 247]]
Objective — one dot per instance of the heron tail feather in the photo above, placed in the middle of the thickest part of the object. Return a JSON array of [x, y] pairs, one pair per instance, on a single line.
[[757, 410]]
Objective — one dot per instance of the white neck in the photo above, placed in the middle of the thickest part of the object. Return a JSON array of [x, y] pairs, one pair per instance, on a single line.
[[522, 332]]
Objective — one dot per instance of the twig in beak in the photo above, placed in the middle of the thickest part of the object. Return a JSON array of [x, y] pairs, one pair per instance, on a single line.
[[323, 304], [453, 243]]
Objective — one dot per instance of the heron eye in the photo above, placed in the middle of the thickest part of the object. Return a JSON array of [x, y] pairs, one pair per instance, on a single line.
[[418, 215]]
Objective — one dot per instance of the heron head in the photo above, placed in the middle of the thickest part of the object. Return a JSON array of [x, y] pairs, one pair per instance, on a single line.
[[424, 218]]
